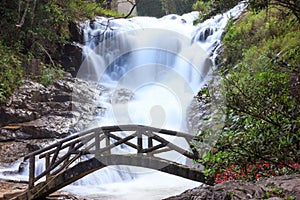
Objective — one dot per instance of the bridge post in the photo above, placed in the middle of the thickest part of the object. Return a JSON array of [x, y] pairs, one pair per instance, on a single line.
[[107, 141], [97, 144], [47, 165], [31, 172], [139, 141], [150, 143]]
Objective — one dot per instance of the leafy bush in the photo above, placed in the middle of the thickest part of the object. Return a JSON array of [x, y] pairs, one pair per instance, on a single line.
[[209, 8], [203, 8], [10, 72], [257, 29], [261, 135]]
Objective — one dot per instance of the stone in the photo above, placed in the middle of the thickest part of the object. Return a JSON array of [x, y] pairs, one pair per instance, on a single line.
[[72, 58], [38, 112], [122, 96], [281, 187]]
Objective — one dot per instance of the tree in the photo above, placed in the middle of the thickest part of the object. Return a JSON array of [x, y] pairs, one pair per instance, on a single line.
[[292, 5]]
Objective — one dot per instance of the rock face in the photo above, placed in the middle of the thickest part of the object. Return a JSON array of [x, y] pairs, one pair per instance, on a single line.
[[72, 58], [205, 116], [38, 112], [282, 187], [36, 115]]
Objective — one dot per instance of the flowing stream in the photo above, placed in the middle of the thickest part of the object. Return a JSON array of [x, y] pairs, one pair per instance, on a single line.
[[152, 68]]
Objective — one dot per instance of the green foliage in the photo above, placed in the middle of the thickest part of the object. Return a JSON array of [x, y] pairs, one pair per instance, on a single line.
[[203, 7], [293, 6], [33, 35], [50, 74], [209, 8], [261, 135], [220, 6], [88, 9], [259, 29], [10, 72]]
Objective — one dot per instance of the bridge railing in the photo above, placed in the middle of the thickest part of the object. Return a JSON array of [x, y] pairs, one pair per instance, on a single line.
[[101, 141]]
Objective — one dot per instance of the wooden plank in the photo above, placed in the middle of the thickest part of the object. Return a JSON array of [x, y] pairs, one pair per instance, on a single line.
[[12, 127], [151, 149], [150, 142], [113, 129], [118, 143], [150, 145], [31, 172], [47, 164], [78, 135], [97, 141], [57, 150], [139, 142], [107, 144], [174, 147], [70, 153], [162, 150], [132, 127], [58, 162], [70, 143], [119, 138]]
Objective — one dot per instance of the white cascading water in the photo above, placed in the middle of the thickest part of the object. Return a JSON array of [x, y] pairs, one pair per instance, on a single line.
[[162, 63]]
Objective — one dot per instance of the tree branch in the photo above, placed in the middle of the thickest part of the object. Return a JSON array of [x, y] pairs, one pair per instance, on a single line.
[[33, 9], [46, 52], [24, 15]]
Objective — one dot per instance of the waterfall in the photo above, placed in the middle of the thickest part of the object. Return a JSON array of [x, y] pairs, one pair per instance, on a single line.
[[160, 64], [152, 68]]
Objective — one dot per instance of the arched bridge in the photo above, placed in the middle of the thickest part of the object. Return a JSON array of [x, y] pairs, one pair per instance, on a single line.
[[83, 153]]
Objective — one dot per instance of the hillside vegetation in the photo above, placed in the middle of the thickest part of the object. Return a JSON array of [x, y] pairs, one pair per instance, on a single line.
[[32, 38], [261, 77]]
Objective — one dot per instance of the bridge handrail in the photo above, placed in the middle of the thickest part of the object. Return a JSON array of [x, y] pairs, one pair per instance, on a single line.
[[114, 128], [93, 137]]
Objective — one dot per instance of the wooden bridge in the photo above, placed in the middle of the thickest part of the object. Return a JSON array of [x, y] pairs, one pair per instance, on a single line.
[[83, 153]]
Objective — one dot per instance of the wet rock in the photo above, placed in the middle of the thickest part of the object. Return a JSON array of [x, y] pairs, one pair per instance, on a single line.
[[219, 57], [11, 151], [68, 105], [11, 187], [26, 104], [201, 193], [72, 58], [205, 34], [76, 32], [122, 96], [281, 187], [206, 111]]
